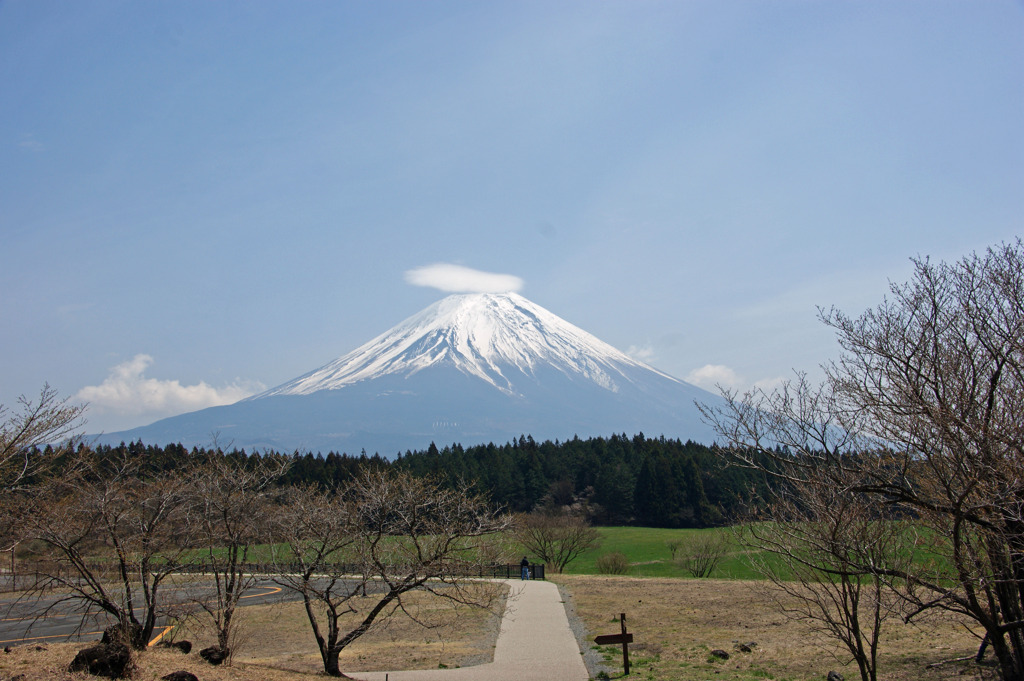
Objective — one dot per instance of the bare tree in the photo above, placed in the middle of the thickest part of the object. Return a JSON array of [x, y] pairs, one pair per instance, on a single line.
[[938, 371], [230, 511], [922, 414], [831, 543], [819, 541], [46, 420], [49, 422], [699, 554], [111, 532], [555, 538], [386, 535], [316, 527]]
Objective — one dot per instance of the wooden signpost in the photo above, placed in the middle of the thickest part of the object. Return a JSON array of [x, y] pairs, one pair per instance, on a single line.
[[624, 638]]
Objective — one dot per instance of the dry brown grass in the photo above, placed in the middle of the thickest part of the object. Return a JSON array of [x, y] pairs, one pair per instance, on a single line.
[[455, 637], [278, 645], [676, 623]]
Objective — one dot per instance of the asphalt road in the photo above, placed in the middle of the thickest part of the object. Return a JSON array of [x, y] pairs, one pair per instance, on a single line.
[[44, 620]]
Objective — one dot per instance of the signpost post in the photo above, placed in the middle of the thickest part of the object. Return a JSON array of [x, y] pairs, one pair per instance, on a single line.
[[624, 638]]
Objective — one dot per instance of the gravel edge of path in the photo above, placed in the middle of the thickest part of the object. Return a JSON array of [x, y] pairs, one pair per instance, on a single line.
[[593, 660]]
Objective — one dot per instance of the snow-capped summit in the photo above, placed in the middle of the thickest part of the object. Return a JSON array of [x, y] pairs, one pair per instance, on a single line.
[[494, 337], [472, 369]]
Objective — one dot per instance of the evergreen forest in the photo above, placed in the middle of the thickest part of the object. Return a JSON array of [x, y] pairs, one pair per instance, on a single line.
[[616, 480]]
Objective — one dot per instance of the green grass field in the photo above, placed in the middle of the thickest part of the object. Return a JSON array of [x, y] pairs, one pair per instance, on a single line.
[[649, 555], [647, 550]]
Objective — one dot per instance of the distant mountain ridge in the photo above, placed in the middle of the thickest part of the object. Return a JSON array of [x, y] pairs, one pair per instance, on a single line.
[[471, 368]]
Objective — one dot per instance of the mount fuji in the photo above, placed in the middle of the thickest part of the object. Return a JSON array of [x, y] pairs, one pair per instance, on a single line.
[[471, 368]]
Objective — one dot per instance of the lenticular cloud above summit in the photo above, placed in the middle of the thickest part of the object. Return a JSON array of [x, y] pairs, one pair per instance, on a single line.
[[470, 369], [459, 279]]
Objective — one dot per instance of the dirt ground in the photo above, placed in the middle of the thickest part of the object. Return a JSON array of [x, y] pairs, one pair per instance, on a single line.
[[677, 623], [277, 644]]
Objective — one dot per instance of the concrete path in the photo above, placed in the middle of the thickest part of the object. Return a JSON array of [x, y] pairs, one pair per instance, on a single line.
[[534, 644]]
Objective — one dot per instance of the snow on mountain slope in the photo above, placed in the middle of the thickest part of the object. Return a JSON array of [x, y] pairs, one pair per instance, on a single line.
[[489, 336], [471, 369]]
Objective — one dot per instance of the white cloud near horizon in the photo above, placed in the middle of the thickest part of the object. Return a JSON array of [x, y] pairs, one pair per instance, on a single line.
[[127, 391], [713, 376], [459, 279], [710, 376], [643, 353]]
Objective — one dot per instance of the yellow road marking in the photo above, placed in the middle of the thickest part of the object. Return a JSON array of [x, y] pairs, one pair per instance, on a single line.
[[161, 635], [36, 638], [39, 617], [273, 590]]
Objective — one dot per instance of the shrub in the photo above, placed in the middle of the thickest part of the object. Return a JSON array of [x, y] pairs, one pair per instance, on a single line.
[[614, 563], [701, 553]]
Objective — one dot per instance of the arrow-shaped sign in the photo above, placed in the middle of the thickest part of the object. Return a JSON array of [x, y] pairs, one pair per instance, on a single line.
[[611, 639], [624, 638]]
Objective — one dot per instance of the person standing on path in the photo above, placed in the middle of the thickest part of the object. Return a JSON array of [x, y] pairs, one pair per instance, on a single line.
[[524, 568]]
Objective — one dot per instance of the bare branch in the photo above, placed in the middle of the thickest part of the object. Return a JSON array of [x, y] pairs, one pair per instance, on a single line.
[[921, 421], [48, 420]]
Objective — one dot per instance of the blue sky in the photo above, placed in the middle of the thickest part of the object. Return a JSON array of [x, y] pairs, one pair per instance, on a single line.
[[203, 198]]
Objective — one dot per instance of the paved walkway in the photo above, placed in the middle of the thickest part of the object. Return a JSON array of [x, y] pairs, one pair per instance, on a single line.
[[534, 644]]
